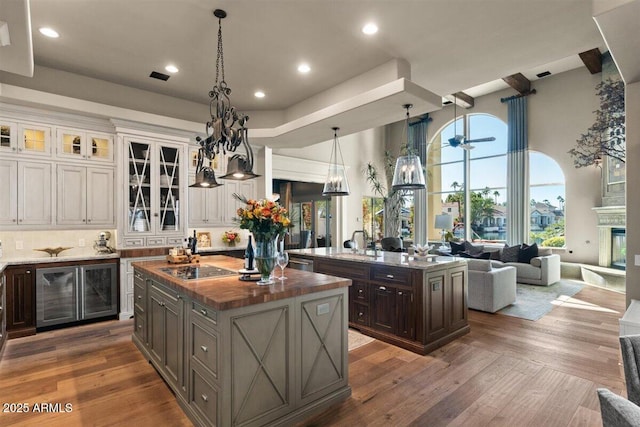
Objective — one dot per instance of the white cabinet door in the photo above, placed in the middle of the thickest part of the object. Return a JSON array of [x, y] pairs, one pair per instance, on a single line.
[[34, 193], [8, 136], [9, 193], [100, 147], [100, 195], [75, 144], [72, 195], [34, 139], [230, 203], [198, 205]]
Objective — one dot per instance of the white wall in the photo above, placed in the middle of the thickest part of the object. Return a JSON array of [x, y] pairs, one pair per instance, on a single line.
[[561, 110], [357, 149], [632, 106]]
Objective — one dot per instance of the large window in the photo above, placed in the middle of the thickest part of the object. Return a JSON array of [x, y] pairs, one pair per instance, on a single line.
[[478, 176], [485, 165], [547, 201]]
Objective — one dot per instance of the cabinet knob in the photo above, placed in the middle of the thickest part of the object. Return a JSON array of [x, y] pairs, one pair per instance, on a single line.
[[156, 214], [359, 291], [19, 149], [204, 397], [84, 220], [89, 220], [28, 271], [203, 348], [13, 148], [360, 314], [383, 288], [139, 296], [139, 326], [203, 311], [14, 220], [400, 293]]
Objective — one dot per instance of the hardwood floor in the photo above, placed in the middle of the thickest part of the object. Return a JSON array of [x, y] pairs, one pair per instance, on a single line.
[[507, 371]]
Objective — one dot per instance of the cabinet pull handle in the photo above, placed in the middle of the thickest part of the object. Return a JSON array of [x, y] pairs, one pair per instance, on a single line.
[[203, 311], [382, 288], [204, 397], [28, 271], [205, 349], [390, 276], [360, 314], [400, 293], [139, 326], [360, 291]]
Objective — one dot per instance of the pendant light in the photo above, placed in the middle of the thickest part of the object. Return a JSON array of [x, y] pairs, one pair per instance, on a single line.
[[336, 183], [205, 176], [226, 131], [408, 174]]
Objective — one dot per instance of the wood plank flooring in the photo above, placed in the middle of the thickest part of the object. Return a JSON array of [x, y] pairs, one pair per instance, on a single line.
[[506, 372]]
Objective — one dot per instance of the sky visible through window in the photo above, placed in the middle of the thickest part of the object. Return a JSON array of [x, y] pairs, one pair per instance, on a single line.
[[546, 177]]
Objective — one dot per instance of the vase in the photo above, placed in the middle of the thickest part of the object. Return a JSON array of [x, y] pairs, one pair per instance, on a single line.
[[266, 252]]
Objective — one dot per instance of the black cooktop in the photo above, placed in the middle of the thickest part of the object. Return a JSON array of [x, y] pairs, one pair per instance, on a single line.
[[190, 272]]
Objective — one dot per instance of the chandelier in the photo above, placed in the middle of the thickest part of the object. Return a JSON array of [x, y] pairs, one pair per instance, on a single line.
[[408, 174], [226, 131], [336, 183]]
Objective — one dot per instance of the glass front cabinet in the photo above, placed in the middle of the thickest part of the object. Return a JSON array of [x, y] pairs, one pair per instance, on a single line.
[[155, 188], [25, 138]]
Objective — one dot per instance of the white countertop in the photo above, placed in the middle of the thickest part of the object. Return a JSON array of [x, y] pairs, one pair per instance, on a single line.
[[4, 262], [396, 259]]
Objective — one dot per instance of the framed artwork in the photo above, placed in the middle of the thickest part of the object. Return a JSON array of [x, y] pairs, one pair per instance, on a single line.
[[306, 215], [204, 239]]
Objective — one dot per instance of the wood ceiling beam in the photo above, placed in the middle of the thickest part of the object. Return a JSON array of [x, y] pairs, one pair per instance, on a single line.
[[519, 83], [592, 60], [461, 99]]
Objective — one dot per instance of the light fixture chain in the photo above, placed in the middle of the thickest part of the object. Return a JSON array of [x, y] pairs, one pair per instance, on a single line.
[[220, 57]]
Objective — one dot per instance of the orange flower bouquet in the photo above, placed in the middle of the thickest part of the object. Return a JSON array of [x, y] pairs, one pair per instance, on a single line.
[[231, 237], [264, 218]]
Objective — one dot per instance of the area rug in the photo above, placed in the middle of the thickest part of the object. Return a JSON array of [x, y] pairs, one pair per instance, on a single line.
[[356, 339], [533, 302]]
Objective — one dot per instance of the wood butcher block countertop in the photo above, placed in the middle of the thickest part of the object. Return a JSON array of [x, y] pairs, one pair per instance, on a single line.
[[227, 292]]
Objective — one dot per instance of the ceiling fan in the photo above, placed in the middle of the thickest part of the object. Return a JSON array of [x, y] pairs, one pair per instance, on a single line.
[[460, 140]]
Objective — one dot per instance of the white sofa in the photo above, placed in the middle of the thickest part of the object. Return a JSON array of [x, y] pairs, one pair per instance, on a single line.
[[543, 270], [490, 288]]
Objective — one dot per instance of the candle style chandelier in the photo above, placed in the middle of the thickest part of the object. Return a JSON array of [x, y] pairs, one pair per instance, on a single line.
[[408, 174], [226, 131]]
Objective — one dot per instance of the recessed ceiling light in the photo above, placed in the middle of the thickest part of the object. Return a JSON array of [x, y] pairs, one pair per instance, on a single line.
[[370, 28], [259, 94], [49, 32], [304, 68], [171, 68]]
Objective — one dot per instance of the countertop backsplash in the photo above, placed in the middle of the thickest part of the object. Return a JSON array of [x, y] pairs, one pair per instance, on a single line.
[[22, 244]]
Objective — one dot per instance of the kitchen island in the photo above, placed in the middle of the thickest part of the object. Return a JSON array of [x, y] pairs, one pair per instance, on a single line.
[[236, 353], [415, 304]]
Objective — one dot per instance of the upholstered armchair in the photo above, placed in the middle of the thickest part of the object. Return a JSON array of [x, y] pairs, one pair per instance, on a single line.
[[630, 346], [490, 289], [617, 411]]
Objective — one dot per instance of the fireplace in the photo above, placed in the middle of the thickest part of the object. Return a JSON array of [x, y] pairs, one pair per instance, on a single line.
[[612, 239], [618, 248]]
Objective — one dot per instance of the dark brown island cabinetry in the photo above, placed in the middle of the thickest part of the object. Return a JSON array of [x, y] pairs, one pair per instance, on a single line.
[[20, 282], [419, 307]]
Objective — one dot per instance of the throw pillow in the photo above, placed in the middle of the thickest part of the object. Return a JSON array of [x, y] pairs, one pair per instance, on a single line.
[[473, 249], [527, 252], [456, 248], [495, 255], [482, 255], [510, 253]]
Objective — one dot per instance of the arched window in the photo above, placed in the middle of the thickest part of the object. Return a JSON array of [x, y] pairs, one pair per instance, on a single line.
[[546, 206], [485, 165]]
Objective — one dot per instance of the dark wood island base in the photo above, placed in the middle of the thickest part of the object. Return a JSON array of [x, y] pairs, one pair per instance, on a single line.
[[416, 305]]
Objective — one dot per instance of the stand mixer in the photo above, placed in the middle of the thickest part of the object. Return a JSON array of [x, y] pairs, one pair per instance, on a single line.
[[102, 245]]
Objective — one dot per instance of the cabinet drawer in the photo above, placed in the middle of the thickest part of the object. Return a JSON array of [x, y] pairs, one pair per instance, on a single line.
[[360, 314], [204, 346], [348, 270], [205, 313], [360, 291], [174, 241], [140, 296], [133, 242], [167, 294], [203, 399], [391, 274], [140, 325], [156, 241]]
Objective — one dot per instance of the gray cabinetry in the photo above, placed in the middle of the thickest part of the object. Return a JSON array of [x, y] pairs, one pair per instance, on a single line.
[[166, 334], [254, 365]]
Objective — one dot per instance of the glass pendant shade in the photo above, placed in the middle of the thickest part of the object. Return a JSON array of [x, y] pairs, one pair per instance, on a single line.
[[408, 173], [336, 183], [205, 178], [238, 169]]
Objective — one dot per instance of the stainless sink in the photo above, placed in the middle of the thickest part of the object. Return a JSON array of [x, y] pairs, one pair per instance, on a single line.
[[356, 256]]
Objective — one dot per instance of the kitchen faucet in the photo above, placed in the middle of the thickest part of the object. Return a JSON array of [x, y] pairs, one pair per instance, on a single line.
[[366, 242]]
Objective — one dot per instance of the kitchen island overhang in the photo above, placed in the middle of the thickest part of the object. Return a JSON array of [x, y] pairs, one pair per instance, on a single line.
[[240, 354]]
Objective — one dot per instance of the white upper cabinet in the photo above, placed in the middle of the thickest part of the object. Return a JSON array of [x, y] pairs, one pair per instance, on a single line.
[[84, 145], [24, 138], [85, 196]]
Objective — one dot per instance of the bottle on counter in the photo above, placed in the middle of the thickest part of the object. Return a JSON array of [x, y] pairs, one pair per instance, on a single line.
[[249, 256], [194, 243]]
